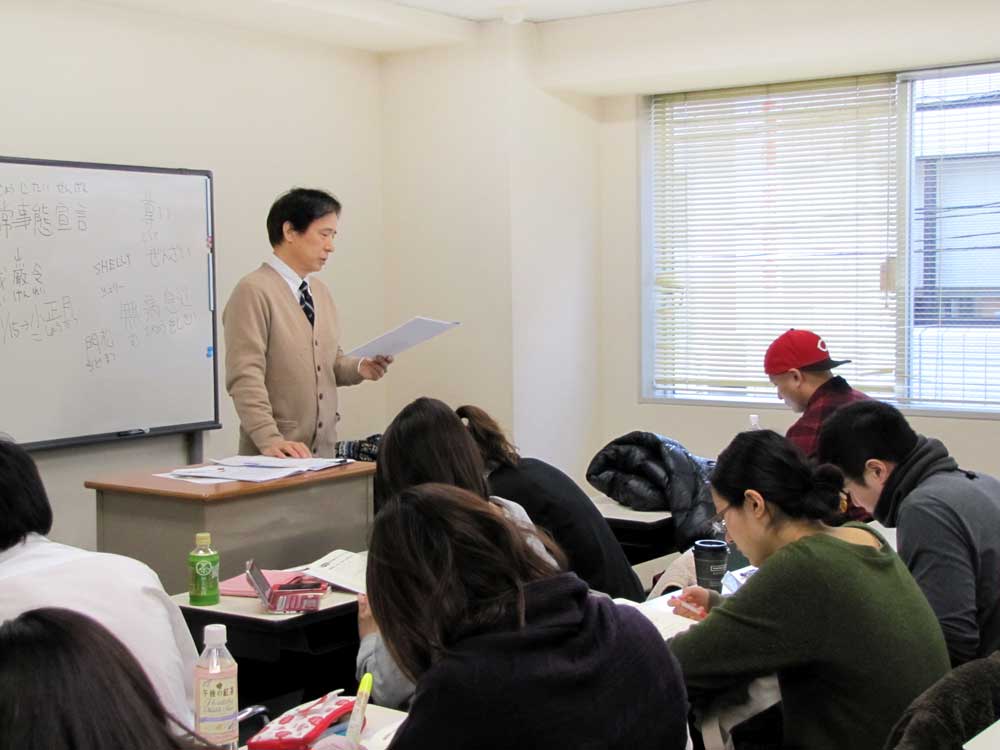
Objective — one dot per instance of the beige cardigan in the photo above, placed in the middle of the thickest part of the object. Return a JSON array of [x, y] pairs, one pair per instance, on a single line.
[[281, 373]]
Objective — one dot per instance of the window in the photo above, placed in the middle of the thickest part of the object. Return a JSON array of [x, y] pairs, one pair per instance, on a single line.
[[954, 241], [777, 206]]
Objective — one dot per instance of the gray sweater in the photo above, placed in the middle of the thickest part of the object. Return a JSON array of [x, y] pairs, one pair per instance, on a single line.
[[948, 534]]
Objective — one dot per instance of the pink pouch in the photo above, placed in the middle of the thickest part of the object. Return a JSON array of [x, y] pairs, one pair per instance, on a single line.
[[238, 585], [299, 728]]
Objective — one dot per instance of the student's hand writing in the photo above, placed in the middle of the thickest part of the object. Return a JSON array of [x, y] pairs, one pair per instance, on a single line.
[[693, 602], [373, 368], [287, 449], [366, 623]]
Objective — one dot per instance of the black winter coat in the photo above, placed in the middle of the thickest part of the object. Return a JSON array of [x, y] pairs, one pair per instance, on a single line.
[[647, 471]]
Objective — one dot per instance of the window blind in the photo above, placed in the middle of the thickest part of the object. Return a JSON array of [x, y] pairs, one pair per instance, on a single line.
[[772, 207]]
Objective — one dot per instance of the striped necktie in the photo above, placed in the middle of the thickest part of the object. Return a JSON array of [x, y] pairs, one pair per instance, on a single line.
[[306, 301]]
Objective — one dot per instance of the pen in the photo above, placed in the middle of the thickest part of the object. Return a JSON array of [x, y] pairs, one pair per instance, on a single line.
[[689, 606], [358, 714], [677, 601], [133, 433]]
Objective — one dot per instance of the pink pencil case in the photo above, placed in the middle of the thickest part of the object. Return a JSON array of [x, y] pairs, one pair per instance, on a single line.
[[299, 728], [239, 586]]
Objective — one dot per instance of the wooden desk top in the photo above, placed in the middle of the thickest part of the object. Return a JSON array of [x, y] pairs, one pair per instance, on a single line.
[[613, 511], [145, 483]]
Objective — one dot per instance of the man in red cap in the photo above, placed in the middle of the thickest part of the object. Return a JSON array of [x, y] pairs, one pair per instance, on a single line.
[[798, 364]]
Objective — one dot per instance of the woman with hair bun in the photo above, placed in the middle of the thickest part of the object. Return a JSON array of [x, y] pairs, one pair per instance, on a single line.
[[832, 610]]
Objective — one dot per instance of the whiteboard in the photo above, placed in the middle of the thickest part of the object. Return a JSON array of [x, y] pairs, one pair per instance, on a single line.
[[107, 302]]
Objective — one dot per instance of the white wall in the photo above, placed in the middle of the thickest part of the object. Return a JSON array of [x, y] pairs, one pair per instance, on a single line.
[[90, 83], [447, 224], [492, 220], [554, 246]]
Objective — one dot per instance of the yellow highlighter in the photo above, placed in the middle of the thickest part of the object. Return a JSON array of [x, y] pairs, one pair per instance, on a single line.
[[360, 703]]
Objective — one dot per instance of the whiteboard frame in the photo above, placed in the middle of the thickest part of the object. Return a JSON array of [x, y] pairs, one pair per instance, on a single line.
[[192, 428]]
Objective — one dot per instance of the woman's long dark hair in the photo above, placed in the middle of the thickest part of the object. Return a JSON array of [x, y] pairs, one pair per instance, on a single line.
[[427, 442], [493, 444], [764, 461], [442, 564], [67, 683]]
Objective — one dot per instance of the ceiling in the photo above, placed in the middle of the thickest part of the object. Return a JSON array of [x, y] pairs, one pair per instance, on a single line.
[[532, 10], [379, 25]]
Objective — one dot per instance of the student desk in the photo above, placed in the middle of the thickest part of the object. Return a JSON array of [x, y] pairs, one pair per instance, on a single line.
[[643, 534], [284, 659], [280, 523]]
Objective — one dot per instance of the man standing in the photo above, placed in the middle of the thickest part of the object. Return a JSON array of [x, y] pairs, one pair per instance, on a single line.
[[283, 355], [946, 518]]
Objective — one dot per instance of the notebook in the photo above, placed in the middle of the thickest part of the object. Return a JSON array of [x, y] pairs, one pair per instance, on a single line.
[[661, 614]]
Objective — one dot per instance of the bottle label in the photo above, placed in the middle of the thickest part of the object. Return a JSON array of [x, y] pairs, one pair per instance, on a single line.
[[206, 575], [217, 709]]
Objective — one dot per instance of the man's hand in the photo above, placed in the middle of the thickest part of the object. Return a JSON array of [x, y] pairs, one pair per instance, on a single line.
[[287, 449], [373, 368], [366, 622]]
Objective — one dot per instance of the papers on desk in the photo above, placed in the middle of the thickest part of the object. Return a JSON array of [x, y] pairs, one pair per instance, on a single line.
[[254, 468], [988, 739], [270, 462], [414, 331], [236, 473], [341, 568], [193, 480], [380, 738], [661, 614]]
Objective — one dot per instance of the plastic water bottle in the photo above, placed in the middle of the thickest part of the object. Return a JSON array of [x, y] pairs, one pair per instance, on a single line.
[[203, 569], [216, 702], [754, 421]]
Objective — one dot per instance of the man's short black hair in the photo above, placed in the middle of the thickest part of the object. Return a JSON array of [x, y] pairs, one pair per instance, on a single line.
[[861, 431], [24, 506], [301, 207]]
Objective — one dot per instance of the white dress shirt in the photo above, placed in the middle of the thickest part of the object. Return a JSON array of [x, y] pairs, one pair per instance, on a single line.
[[122, 594], [291, 278], [294, 281]]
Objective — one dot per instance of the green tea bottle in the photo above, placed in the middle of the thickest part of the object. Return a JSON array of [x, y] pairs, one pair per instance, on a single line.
[[203, 568]]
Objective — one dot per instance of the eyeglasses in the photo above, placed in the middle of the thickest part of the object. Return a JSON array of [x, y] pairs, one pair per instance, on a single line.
[[718, 521]]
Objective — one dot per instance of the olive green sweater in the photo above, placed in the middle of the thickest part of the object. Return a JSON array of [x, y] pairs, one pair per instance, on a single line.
[[846, 629]]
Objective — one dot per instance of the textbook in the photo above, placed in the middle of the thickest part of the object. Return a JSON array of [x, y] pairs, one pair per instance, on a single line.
[[661, 614], [341, 568]]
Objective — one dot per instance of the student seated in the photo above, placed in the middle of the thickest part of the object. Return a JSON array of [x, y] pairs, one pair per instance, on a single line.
[[508, 651], [120, 593], [832, 610], [557, 504], [426, 442], [947, 519], [66, 683]]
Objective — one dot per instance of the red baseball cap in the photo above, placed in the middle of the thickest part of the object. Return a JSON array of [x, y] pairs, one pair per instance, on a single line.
[[798, 350]]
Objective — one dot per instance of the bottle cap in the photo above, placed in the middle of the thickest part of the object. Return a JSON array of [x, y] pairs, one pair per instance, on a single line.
[[204, 539], [215, 635]]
